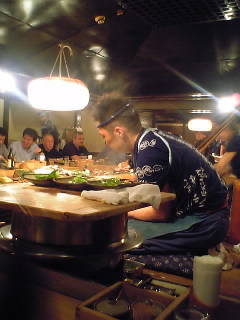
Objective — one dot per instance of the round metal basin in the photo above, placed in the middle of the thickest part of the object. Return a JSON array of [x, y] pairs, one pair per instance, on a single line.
[[84, 258], [50, 231]]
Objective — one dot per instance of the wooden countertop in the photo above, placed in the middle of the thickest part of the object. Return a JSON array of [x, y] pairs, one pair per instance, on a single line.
[[61, 204]]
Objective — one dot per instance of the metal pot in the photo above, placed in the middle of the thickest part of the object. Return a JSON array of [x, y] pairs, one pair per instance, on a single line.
[[84, 258], [50, 231]]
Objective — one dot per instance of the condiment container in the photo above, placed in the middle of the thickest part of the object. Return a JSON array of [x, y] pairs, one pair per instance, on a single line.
[[145, 309], [162, 305], [116, 308]]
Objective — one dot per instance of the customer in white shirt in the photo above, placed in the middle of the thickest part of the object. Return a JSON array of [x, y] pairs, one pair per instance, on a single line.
[[26, 149], [3, 148]]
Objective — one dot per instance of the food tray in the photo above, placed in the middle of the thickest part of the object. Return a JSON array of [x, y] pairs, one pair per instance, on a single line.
[[132, 294], [67, 183], [91, 184], [124, 183], [43, 183]]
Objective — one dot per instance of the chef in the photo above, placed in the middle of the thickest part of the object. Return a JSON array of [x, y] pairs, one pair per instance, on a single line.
[[199, 218]]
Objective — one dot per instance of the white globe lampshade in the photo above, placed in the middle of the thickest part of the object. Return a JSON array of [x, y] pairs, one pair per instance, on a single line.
[[58, 94], [200, 125]]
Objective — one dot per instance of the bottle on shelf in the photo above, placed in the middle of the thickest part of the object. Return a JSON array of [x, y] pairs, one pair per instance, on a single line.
[[10, 160]]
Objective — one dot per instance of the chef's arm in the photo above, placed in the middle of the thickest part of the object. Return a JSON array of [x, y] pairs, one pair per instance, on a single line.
[[163, 213]]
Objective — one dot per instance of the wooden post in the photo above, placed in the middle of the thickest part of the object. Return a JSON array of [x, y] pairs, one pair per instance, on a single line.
[[234, 228], [6, 118]]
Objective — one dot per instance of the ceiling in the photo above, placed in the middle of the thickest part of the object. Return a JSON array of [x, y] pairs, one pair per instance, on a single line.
[[144, 47]]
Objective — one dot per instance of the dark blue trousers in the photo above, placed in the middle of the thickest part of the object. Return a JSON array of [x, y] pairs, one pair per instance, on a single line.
[[196, 240]]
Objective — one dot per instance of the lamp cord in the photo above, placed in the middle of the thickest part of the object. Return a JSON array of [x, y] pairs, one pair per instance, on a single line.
[[59, 57]]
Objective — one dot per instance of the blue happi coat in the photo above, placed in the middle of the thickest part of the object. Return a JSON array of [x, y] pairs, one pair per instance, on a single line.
[[160, 157]]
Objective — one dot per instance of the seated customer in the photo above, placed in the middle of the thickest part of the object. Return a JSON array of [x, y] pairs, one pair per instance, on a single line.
[[26, 149], [199, 218], [212, 148], [230, 160], [48, 148], [3, 148], [75, 149]]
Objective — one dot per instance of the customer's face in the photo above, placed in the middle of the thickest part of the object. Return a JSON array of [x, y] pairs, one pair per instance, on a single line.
[[48, 142], [27, 141], [2, 139], [78, 140]]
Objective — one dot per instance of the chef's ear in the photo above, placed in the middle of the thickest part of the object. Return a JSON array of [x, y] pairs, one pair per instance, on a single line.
[[119, 131]]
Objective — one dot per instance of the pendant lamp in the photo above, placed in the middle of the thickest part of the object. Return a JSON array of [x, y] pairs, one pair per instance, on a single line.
[[200, 124], [58, 93]]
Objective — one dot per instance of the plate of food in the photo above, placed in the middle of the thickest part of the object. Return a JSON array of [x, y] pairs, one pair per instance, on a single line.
[[42, 179], [110, 183], [78, 183], [33, 178]]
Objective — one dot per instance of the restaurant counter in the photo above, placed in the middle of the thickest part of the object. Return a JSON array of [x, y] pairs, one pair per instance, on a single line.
[[34, 291], [40, 289]]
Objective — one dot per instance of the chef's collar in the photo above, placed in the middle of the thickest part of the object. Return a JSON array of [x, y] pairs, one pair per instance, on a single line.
[[136, 147], [114, 116]]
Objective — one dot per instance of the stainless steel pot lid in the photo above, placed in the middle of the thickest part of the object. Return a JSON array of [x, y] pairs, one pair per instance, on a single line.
[[49, 253]]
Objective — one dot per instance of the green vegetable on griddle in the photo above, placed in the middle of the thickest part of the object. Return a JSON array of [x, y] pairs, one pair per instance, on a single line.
[[111, 182], [53, 175], [79, 179]]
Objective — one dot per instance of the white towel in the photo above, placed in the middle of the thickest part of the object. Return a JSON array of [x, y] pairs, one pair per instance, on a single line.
[[107, 196], [146, 193]]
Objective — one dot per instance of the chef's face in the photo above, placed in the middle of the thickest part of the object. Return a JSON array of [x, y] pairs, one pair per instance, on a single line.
[[27, 141], [115, 139]]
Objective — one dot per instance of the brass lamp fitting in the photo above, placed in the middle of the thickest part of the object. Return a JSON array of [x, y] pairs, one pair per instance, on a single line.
[[100, 19]]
